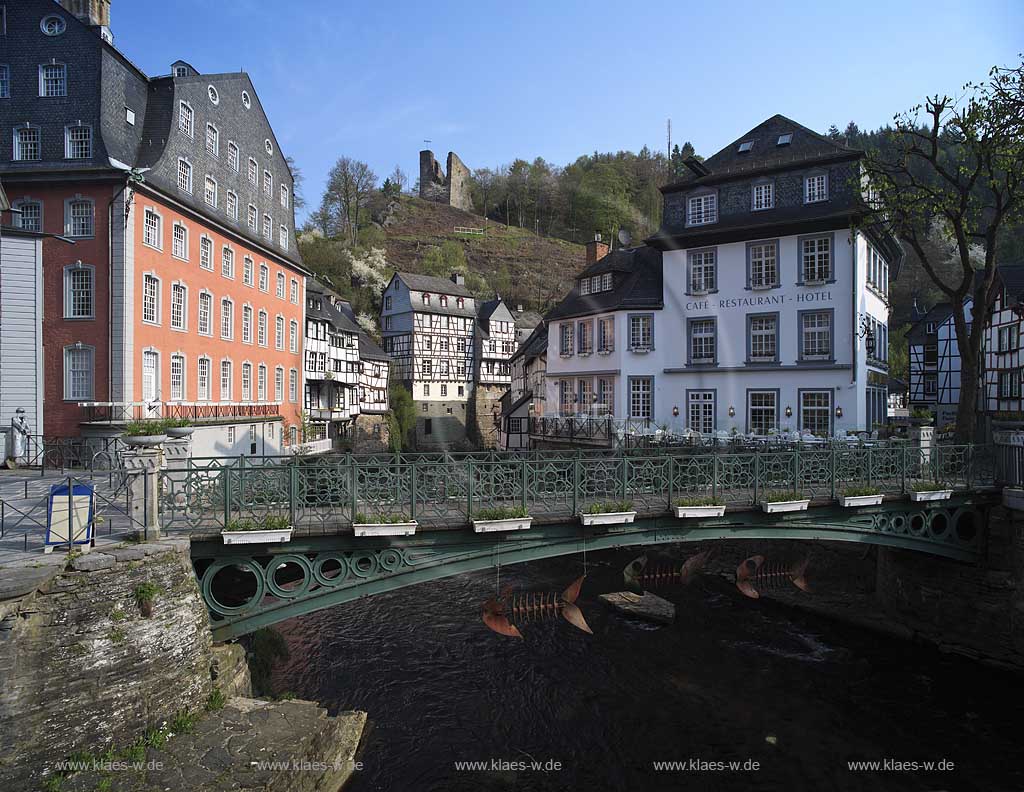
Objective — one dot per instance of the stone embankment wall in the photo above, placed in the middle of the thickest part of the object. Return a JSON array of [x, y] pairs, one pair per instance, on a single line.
[[81, 669], [971, 609]]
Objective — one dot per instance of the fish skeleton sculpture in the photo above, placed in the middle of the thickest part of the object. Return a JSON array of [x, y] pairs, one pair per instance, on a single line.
[[638, 576], [755, 575], [514, 607]]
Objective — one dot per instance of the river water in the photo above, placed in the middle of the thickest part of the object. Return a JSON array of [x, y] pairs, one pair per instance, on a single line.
[[732, 680]]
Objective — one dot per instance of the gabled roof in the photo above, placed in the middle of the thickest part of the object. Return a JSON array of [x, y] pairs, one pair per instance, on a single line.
[[430, 283], [1012, 276], [508, 406], [805, 147], [368, 348], [638, 285], [528, 319], [938, 313], [328, 311]]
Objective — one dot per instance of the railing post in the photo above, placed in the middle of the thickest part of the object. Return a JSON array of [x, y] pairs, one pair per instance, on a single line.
[[870, 466], [412, 490], [469, 488], [625, 476], [832, 466], [903, 470], [970, 463], [525, 482], [353, 486], [293, 475], [671, 479], [576, 484], [796, 471], [757, 472], [226, 475], [715, 473]]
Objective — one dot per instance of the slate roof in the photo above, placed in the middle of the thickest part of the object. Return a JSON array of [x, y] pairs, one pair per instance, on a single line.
[[508, 406], [328, 311], [430, 283], [1012, 276], [938, 313], [806, 147], [534, 346], [528, 319], [638, 285], [368, 348]]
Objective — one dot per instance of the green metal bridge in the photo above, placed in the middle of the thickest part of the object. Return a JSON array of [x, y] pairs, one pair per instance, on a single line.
[[250, 586]]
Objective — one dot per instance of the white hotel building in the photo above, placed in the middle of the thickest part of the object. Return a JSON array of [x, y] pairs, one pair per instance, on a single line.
[[760, 305]]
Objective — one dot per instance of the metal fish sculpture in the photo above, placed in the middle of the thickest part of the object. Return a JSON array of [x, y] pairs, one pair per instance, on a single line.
[[638, 577], [512, 608], [754, 575]]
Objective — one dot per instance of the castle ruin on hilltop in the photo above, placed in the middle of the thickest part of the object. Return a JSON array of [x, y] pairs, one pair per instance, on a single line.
[[453, 189]]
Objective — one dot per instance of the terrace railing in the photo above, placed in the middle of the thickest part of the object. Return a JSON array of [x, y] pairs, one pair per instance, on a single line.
[[440, 490]]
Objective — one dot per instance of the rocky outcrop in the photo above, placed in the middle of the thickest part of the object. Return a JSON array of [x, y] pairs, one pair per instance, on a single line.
[[81, 668]]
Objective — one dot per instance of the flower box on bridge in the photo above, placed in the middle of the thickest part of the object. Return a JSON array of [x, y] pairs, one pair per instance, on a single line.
[[608, 518], [699, 511], [385, 529], [849, 501], [931, 495], [777, 507], [1013, 498], [270, 536], [506, 524]]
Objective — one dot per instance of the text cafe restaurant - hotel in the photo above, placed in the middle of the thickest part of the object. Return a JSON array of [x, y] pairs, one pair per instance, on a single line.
[[759, 307]]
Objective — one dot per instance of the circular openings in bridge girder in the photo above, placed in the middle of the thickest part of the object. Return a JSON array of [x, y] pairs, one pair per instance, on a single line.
[[233, 587], [898, 523], [289, 576], [330, 569], [966, 526], [390, 560], [938, 523], [917, 524], [363, 565]]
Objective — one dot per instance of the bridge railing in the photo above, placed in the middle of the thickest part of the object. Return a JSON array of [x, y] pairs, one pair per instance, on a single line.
[[323, 495]]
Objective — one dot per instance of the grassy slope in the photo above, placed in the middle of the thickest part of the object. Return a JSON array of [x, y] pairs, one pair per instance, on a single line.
[[536, 270]]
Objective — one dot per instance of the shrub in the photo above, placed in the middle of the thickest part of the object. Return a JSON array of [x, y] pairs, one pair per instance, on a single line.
[[141, 428], [386, 518], [274, 522], [700, 501], [240, 525], [145, 592], [183, 722], [857, 492], [501, 513], [215, 701], [609, 507], [176, 423], [929, 486], [781, 496]]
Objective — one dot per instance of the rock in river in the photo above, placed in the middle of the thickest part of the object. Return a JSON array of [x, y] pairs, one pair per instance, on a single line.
[[646, 606]]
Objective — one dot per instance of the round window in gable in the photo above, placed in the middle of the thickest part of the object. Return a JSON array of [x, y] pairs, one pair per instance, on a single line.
[[268, 146], [53, 25], [214, 96], [246, 100]]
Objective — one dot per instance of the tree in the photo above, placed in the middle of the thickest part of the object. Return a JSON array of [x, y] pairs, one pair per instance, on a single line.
[[899, 355], [298, 179], [401, 417], [349, 184], [953, 169], [398, 178]]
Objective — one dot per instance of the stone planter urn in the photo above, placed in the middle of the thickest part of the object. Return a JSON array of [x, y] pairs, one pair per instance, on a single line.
[[145, 441], [180, 431]]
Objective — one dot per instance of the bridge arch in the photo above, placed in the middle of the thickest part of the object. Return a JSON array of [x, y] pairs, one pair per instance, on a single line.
[[341, 568]]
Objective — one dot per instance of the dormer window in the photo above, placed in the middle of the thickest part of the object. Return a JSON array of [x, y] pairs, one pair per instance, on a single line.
[[181, 71], [784, 140], [460, 302], [746, 146], [930, 328], [426, 298], [584, 287], [443, 300]]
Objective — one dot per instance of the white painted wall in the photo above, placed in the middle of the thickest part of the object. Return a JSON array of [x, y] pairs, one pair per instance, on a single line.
[[21, 331]]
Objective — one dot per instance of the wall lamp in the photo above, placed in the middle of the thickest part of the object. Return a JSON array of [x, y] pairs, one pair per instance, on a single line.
[[839, 412], [789, 411], [675, 411], [732, 411]]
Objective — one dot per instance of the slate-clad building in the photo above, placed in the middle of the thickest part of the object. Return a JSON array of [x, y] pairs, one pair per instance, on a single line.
[[184, 292], [759, 306]]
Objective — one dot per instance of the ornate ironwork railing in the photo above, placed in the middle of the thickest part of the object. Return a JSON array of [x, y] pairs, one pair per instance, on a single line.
[[589, 428], [63, 453], [323, 495], [119, 412]]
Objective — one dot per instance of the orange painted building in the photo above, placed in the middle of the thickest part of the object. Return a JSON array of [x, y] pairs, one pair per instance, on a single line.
[[183, 294]]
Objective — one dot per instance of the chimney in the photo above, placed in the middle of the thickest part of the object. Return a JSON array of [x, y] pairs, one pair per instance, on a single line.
[[519, 308], [94, 13], [458, 279], [596, 250]]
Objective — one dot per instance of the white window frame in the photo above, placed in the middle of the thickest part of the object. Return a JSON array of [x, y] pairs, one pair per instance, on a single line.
[[225, 391], [816, 263], [261, 328], [279, 384], [69, 144], [818, 330], [641, 390], [177, 393], [293, 385], [204, 394], [88, 379], [212, 139], [151, 354], [700, 411], [281, 280], [285, 192], [207, 192], [43, 80], [702, 209], [762, 196], [282, 237], [703, 334], [146, 279], [231, 204], [293, 336], [234, 157], [264, 284], [18, 154], [206, 253], [767, 334], [178, 287], [182, 251], [204, 329], [5, 81], [763, 408], [268, 183], [261, 382], [158, 227], [227, 262], [293, 291], [703, 271], [253, 173], [248, 265], [70, 218], [279, 332], [816, 188], [23, 215], [268, 228], [227, 318], [186, 119], [763, 261], [819, 410], [69, 291], [247, 325], [253, 219], [246, 381]]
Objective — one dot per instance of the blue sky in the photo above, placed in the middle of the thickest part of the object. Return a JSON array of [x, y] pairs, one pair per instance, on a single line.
[[559, 79]]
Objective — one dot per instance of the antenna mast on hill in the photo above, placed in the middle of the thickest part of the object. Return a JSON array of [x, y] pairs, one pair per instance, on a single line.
[[669, 153]]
